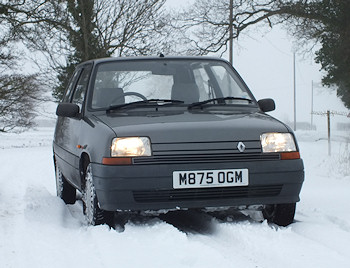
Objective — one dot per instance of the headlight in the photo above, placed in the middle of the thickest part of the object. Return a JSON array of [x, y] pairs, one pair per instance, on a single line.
[[131, 146], [277, 142]]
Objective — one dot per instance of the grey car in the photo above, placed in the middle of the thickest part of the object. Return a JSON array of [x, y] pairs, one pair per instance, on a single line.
[[172, 133]]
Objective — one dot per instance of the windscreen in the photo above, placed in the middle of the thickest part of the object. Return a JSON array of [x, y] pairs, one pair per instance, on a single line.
[[188, 81]]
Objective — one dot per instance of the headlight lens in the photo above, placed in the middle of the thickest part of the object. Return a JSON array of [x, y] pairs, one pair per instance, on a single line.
[[277, 142], [131, 146]]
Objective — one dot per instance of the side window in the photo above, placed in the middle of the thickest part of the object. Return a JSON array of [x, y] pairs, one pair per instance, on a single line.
[[228, 85], [81, 87], [203, 82], [72, 82]]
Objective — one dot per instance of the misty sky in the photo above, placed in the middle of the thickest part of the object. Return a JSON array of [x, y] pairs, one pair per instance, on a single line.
[[264, 58]]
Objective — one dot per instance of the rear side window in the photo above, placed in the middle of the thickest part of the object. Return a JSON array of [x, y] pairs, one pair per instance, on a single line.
[[80, 90], [68, 95]]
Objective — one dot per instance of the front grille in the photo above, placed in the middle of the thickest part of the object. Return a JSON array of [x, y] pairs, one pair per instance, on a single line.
[[206, 194], [204, 152], [204, 158], [198, 148]]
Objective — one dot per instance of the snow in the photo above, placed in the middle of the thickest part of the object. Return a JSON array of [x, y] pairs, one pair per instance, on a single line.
[[38, 230]]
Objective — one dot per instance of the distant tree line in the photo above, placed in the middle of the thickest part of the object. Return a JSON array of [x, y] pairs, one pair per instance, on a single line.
[[68, 32]]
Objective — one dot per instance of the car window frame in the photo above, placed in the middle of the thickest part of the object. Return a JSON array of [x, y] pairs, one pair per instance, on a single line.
[[68, 93], [82, 69], [220, 62]]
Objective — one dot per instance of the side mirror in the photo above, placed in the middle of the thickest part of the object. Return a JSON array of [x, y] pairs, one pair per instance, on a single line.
[[67, 110], [267, 105]]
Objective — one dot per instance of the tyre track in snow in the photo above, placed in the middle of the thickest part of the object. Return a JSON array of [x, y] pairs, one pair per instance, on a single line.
[[246, 241], [37, 229]]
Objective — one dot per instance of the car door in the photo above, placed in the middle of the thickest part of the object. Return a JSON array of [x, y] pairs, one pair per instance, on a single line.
[[68, 130]]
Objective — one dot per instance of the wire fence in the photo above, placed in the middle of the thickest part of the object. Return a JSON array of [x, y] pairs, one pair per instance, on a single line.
[[329, 113], [333, 113]]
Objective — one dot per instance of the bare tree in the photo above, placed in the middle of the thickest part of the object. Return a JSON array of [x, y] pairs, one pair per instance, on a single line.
[[19, 93], [18, 99], [71, 31], [131, 27], [205, 26]]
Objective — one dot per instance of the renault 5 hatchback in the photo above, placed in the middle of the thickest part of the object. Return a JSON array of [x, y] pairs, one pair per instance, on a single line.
[[168, 133]]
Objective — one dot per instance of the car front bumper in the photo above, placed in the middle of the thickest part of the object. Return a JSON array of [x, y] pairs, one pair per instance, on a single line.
[[150, 186]]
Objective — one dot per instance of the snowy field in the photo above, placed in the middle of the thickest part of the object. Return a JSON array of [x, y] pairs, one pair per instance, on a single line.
[[38, 230]]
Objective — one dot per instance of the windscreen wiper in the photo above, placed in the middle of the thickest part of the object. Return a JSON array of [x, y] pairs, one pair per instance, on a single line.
[[221, 101], [150, 102], [165, 101]]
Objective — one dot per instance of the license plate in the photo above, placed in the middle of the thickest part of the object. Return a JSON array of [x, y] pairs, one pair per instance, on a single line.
[[210, 178]]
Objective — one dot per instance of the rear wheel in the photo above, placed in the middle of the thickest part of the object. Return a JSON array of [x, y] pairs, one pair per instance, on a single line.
[[64, 190], [93, 214], [280, 214]]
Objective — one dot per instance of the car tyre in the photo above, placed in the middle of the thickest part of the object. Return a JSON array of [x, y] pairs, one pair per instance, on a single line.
[[280, 214], [64, 190], [94, 215]]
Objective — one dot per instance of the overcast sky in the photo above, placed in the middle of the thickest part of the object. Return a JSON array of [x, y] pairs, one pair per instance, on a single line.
[[264, 58]]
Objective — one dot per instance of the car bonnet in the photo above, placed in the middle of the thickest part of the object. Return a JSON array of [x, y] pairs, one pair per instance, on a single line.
[[194, 127]]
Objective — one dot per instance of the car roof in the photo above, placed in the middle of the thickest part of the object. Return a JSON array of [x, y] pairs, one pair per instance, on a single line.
[[162, 58]]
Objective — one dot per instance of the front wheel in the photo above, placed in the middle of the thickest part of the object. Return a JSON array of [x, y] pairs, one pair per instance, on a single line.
[[64, 190], [93, 214], [280, 214]]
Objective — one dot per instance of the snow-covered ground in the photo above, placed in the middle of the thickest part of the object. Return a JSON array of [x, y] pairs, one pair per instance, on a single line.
[[38, 230]]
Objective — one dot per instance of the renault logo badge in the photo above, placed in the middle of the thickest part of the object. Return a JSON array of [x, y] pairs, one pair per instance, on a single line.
[[241, 147]]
